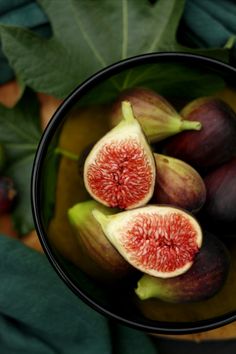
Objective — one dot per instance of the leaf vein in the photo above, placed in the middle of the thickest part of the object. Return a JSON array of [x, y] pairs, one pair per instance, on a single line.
[[125, 29], [87, 38]]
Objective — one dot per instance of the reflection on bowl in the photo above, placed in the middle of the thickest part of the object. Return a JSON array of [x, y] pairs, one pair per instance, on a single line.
[[57, 185]]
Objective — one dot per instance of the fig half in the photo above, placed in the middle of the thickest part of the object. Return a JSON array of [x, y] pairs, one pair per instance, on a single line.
[[157, 116], [178, 184], [158, 240], [120, 169], [215, 143], [203, 280]]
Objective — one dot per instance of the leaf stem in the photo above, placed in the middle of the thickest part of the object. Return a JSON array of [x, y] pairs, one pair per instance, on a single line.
[[125, 29], [66, 153]]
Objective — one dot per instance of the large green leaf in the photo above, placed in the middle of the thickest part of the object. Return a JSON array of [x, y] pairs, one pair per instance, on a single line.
[[20, 134], [88, 36]]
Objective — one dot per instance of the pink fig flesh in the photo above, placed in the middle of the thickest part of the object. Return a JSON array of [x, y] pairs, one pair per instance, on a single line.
[[204, 279], [158, 240], [120, 169]]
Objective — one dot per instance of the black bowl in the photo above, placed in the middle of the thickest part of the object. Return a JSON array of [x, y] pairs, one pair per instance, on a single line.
[[168, 73]]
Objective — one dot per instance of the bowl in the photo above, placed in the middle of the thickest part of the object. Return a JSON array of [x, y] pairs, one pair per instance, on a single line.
[[57, 185]]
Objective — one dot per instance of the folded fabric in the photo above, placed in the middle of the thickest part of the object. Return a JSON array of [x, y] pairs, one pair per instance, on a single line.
[[208, 23], [40, 315]]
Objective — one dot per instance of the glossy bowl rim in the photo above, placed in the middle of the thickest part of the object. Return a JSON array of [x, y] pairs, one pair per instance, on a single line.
[[158, 327]]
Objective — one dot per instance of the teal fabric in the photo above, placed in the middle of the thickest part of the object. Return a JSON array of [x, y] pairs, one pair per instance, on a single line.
[[40, 315], [22, 13], [208, 23]]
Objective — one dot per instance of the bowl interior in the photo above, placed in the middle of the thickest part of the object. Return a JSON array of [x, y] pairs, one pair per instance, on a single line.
[[57, 185]]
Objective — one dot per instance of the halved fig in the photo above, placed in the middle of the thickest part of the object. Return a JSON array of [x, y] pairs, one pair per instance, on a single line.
[[120, 169], [158, 240]]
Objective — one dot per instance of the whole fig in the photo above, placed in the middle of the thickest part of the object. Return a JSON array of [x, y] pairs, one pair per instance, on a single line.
[[178, 184], [2, 158], [220, 207], [155, 114], [215, 143], [203, 280], [7, 194], [93, 243]]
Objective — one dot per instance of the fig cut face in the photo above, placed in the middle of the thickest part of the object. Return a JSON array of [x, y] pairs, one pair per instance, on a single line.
[[158, 240], [120, 169]]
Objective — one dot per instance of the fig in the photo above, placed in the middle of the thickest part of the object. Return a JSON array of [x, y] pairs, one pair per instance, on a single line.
[[203, 280], [156, 115], [178, 184], [220, 204], [158, 240], [7, 194], [120, 169], [92, 241], [215, 143], [2, 158]]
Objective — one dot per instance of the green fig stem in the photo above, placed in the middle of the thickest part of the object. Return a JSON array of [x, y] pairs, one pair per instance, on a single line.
[[66, 153], [147, 288], [190, 125], [101, 218], [127, 112]]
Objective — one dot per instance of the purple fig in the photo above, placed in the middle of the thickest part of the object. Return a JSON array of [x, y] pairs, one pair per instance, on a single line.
[[220, 207], [215, 143], [178, 184], [155, 114], [203, 280], [94, 244], [7, 194], [2, 158]]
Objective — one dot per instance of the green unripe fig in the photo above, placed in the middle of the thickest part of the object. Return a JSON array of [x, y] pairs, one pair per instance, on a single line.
[[157, 117], [92, 241], [203, 280]]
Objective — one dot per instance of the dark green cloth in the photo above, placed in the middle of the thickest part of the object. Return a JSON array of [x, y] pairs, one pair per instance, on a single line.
[[40, 315]]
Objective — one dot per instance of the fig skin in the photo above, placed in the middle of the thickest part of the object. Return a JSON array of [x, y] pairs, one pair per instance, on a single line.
[[2, 158], [7, 195], [120, 169], [215, 143], [178, 184], [203, 280], [156, 115], [159, 240], [220, 207], [93, 243]]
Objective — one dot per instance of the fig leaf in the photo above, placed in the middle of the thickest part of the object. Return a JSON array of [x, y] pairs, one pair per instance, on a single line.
[[93, 38], [20, 134]]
